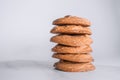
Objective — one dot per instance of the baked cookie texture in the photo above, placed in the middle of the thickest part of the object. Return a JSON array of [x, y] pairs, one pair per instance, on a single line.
[[71, 29], [74, 57], [73, 66], [72, 40], [72, 20], [73, 44], [68, 49]]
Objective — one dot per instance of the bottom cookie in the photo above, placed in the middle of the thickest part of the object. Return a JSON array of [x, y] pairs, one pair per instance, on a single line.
[[74, 67]]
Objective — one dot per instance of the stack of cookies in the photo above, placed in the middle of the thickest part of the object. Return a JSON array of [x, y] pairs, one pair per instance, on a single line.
[[73, 48]]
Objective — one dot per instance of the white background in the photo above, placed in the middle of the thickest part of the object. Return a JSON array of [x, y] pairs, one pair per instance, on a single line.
[[25, 26]]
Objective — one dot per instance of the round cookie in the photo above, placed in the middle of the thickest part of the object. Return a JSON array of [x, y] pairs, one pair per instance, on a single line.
[[67, 49], [71, 29], [74, 57], [72, 20], [74, 67], [72, 40]]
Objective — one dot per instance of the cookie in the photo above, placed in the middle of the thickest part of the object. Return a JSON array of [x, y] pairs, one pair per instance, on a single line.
[[72, 20], [73, 57], [74, 67], [67, 49], [72, 40], [71, 29]]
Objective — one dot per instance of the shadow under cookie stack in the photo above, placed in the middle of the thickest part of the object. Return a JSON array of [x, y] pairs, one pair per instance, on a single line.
[[73, 48]]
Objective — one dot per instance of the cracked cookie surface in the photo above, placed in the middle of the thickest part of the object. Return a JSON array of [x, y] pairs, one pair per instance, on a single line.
[[86, 57], [72, 20], [74, 67], [72, 40], [67, 49], [71, 29]]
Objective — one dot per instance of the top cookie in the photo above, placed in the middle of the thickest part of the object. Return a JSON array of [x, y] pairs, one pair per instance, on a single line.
[[72, 20]]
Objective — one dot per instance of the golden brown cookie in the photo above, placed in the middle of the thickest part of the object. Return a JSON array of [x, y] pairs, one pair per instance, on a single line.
[[71, 29], [72, 40], [67, 49], [74, 67], [72, 20], [74, 57]]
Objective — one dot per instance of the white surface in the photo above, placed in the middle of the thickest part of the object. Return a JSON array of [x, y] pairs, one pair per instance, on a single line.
[[25, 26], [34, 70]]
